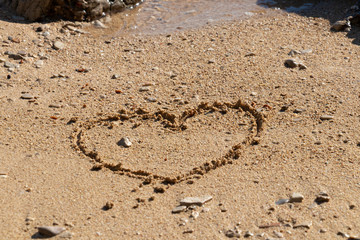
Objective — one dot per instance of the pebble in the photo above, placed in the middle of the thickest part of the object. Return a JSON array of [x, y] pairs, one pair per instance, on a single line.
[[53, 105], [2, 60], [26, 96], [278, 234], [248, 234], [303, 225], [29, 219], [144, 89], [115, 76], [151, 99], [326, 117], [249, 54], [99, 24], [58, 45], [125, 142], [322, 198], [10, 65], [323, 230], [3, 175], [178, 209], [233, 233], [194, 215], [291, 63], [302, 66], [342, 234], [299, 110], [204, 210], [281, 201], [50, 231], [108, 206], [16, 56], [39, 63], [296, 198], [294, 52], [342, 25], [354, 238], [195, 200]]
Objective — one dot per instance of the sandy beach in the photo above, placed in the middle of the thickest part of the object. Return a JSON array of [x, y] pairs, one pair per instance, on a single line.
[[211, 111]]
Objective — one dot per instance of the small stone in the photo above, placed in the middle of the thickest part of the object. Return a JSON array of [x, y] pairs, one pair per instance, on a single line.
[[303, 225], [299, 110], [326, 117], [2, 60], [16, 56], [29, 219], [281, 201], [276, 224], [248, 234], [144, 89], [53, 105], [26, 96], [195, 200], [211, 61], [9, 65], [302, 66], [66, 235], [291, 63], [194, 215], [296, 198], [253, 94], [151, 99], [108, 206], [188, 231], [305, 51], [294, 52], [99, 24], [115, 76], [46, 34], [322, 198], [58, 45], [278, 234], [178, 209], [50, 231], [323, 230], [249, 54], [342, 234], [39, 63], [204, 210], [233, 233], [342, 25], [353, 237], [125, 142]]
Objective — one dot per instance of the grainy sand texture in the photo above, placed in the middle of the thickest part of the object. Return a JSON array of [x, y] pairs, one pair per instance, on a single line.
[[211, 111]]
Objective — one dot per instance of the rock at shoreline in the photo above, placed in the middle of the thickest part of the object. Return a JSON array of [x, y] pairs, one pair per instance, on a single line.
[[35, 10]]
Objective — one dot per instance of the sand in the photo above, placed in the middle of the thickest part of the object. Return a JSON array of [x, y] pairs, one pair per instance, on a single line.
[[209, 111]]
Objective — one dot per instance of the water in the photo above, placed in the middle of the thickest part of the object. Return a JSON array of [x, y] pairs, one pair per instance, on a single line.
[[164, 16]]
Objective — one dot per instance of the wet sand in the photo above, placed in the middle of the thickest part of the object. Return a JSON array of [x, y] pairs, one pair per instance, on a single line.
[[209, 111]]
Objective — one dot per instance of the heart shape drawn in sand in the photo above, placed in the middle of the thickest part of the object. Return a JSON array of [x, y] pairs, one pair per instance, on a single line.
[[168, 147]]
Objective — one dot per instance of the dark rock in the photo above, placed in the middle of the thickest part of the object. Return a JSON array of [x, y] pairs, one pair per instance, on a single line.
[[50, 231], [35, 10]]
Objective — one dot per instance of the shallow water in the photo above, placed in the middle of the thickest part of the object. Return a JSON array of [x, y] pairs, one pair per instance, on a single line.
[[165, 16]]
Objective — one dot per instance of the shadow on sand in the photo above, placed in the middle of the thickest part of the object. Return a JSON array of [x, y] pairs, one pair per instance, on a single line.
[[333, 10]]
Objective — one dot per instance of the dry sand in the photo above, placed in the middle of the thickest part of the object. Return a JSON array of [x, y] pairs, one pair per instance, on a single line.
[[257, 139]]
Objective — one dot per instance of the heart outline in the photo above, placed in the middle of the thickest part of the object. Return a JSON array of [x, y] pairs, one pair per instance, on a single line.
[[169, 121]]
